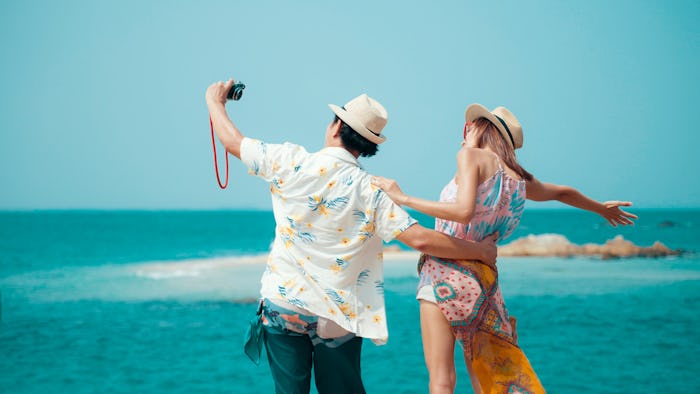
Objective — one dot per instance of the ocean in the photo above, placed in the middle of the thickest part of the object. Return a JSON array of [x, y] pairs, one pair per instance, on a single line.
[[158, 302]]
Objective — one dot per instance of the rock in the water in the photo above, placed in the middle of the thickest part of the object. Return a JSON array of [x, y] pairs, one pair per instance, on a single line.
[[558, 245]]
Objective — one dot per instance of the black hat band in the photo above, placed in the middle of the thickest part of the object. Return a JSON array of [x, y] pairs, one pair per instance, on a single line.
[[507, 129]]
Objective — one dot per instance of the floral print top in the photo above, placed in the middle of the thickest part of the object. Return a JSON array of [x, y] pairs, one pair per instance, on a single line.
[[500, 201], [330, 222], [290, 320]]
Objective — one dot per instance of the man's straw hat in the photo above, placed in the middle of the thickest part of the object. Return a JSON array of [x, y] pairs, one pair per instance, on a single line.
[[365, 115]]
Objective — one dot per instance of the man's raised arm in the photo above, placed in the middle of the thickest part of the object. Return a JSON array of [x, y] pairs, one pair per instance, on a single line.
[[228, 133]]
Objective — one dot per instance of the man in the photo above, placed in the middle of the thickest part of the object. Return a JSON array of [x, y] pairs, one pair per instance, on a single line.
[[322, 290]]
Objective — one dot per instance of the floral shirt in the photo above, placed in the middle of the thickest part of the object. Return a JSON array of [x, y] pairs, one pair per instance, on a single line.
[[330, 222]]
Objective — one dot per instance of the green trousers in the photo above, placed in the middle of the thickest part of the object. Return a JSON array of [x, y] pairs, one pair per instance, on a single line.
[[291, 357]]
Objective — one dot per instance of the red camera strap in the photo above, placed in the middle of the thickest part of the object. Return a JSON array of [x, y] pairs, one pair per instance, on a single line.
[[216, 163]]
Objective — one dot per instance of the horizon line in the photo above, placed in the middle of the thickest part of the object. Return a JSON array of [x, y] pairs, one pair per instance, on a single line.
[[249, 209]]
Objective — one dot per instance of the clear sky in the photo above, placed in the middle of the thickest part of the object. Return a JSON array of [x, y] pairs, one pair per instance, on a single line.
[[102, 102]]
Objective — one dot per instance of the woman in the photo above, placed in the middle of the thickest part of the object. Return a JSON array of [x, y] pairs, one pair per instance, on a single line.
[[464, 302]]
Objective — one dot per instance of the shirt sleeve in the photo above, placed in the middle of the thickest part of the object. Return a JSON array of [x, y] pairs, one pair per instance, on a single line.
[[269, 160], [390, 219]]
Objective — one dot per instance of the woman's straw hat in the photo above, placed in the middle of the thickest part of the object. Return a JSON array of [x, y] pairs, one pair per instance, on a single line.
[[365, 115], [503, 119]]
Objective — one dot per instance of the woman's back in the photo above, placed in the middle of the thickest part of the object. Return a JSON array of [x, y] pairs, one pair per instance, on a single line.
[[500, 200]]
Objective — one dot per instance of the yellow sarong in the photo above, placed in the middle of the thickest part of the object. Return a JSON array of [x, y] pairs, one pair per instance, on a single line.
[[470, 298]]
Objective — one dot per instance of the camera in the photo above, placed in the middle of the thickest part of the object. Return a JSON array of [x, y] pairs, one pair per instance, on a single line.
[[236, 91]]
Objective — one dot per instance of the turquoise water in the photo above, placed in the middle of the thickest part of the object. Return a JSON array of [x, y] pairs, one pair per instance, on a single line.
[[125, 302]]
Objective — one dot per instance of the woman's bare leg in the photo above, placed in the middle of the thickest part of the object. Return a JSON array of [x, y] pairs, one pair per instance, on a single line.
[[472, 375], [438, 348]]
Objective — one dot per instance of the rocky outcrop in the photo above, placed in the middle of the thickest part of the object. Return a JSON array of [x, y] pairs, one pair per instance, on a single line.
[[558, 245]]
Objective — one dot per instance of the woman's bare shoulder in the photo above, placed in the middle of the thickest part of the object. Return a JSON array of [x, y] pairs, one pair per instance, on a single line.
[[473, 155]]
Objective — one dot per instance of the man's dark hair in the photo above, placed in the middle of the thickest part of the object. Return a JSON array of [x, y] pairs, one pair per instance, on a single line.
[[354, 141]]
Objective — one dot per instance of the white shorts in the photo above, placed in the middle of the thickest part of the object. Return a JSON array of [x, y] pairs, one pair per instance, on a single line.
[[426, 293]]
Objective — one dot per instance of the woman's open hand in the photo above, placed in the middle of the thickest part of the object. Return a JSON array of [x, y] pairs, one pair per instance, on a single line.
[[614, 215], [391, 188]]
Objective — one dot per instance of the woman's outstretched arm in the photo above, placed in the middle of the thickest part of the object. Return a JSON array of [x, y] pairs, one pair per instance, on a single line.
[[610, 210], [462, 210]]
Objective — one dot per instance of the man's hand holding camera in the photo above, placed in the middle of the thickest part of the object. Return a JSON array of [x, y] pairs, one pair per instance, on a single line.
[[218, 91], [216, 96]]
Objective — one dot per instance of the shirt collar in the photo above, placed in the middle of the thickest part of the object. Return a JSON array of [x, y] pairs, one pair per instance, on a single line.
[[340, 154]]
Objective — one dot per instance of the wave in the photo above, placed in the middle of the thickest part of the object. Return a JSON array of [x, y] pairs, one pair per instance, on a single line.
[[159, 270], [226, 279], [235, 278], [167, 275]]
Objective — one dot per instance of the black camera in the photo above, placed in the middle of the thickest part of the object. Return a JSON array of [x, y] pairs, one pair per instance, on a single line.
[[236, 91]]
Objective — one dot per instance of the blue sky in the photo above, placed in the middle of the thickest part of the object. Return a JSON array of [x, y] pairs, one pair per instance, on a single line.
[[102, 103]]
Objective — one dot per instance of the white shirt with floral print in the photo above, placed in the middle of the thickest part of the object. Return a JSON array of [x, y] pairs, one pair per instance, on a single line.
[[327, 253]]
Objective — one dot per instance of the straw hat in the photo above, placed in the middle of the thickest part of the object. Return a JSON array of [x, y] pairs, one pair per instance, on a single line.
[[503, 119], [365, 115]]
